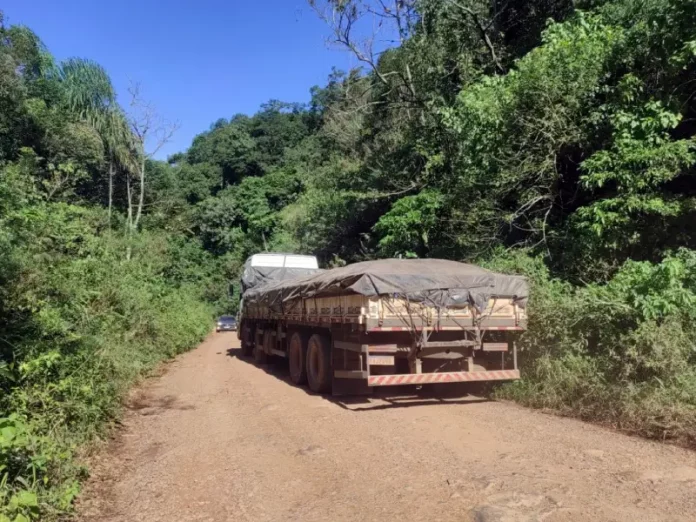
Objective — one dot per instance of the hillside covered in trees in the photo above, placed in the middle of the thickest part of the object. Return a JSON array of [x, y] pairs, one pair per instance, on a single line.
[[553, 138]]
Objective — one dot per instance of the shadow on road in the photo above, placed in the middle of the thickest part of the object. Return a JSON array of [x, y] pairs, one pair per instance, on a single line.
[[381, 398]]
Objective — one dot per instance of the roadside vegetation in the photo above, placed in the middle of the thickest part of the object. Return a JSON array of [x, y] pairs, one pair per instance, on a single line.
[[551, 138], [89, 299]]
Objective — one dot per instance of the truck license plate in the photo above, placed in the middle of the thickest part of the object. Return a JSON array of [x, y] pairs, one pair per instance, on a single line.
[[381, 360]]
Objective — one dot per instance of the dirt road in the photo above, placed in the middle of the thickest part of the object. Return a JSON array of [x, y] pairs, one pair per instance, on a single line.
[[219, 439]]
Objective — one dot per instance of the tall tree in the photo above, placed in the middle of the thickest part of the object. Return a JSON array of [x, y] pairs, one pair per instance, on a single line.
[[90, 94], [150, 133]]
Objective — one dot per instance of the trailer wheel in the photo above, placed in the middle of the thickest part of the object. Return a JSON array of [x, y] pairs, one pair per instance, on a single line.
[[260, 355], [247, 340], [297, 358], [319, 363]]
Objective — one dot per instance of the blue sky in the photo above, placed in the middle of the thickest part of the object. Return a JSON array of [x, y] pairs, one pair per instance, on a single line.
[[196, 61]]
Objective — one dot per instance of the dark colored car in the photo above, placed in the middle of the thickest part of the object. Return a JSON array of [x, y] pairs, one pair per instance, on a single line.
[[226, 323]]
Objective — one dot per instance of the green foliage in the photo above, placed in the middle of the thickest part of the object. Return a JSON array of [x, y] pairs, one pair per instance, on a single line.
[[79, 328], [642, 158], [532, 137], [620, 353], [85, 309], [229, 147], [407, 228], [512, 129]]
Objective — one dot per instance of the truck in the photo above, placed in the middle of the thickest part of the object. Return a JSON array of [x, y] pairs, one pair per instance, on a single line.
[[390, 322]]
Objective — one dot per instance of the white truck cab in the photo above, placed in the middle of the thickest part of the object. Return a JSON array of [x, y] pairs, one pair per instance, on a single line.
[[272, 260], [272, 266]]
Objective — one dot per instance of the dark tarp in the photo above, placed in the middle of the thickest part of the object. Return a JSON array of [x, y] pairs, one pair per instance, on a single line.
[[437, 282], [255, 276]]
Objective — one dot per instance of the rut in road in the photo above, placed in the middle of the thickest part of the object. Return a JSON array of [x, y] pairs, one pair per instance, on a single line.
[[219, 439]]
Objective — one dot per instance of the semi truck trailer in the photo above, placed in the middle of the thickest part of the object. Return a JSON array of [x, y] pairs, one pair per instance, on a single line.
[[390, 322]]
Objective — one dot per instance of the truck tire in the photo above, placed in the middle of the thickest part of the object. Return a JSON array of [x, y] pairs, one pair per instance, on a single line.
[[260, 355], [269, 344], [319, 363], [247, 340], [297, 358]]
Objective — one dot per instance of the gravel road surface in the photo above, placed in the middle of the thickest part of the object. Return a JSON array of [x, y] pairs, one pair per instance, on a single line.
[[216, 438]]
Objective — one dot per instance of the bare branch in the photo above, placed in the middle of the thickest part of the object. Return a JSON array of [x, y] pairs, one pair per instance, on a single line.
[[483, 30], [151, 133], [343, 18]]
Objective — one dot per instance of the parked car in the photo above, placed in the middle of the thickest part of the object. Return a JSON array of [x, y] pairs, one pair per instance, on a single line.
[[226, 323]]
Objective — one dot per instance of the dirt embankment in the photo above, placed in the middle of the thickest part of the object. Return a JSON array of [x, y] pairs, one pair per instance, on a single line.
[[218, 439]]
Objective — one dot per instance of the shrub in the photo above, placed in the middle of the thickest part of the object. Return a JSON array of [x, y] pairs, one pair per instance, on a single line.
[[81, 323], [621, 353]]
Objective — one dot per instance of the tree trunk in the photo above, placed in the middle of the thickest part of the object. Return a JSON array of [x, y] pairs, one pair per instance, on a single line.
[[141, 198], [129, 219], [111, 187]]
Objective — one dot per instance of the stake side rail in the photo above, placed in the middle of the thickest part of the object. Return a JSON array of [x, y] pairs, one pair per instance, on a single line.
[[392, 325]]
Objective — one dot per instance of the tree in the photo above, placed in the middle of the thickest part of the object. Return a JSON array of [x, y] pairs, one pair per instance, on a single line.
[[230, 147], [78, 324], [150, 134], [394, 20], [90, 94]]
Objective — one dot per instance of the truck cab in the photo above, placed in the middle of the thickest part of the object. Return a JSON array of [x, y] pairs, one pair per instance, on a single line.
[[273, 266], [262, 268]]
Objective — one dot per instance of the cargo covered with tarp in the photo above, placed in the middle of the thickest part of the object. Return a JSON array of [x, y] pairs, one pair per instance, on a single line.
[[434, 283], [387, 323]]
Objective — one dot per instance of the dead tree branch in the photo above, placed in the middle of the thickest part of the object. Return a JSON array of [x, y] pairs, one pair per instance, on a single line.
[[483, 29], [151, 132]]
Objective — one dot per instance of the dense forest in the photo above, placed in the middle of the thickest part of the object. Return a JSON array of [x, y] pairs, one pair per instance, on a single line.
[[552, 138]]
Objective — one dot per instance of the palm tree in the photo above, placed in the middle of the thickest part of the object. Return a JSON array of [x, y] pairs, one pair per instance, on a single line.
[[88, 89], [120, 146], [90, 94]]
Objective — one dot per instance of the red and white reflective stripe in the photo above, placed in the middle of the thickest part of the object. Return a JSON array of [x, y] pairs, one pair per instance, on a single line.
[[426, 378]]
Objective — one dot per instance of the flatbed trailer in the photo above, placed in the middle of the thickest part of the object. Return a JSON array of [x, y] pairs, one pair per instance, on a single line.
[[388, 323]]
